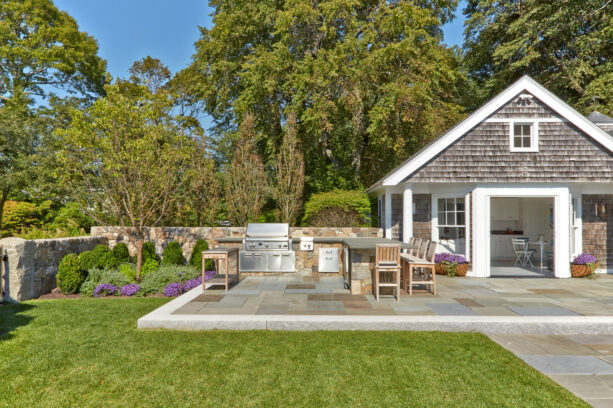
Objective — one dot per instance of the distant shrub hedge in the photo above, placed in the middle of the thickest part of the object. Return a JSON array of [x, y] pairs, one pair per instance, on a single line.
[[338, 208]]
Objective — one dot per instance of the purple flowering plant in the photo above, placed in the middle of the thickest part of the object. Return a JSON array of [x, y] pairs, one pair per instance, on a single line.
[[130, 289], [585, 259], [208, 275], [192, 283], [104, 289], [450, 258], [174, 289]]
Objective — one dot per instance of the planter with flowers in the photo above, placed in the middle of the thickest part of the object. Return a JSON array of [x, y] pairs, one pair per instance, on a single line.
[[583, 265], [450, 264]]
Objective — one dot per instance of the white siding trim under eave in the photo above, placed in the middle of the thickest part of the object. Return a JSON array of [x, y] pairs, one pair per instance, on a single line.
[[523, 84]]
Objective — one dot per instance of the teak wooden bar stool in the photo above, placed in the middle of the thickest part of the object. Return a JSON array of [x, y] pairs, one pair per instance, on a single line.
[[387, 266], [420, 271]]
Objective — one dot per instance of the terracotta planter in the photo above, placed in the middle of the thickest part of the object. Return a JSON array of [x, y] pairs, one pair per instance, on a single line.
[[581, 271], [460, 270]]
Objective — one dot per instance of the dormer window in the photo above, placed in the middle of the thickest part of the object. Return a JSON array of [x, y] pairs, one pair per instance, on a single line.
[[524, 136]]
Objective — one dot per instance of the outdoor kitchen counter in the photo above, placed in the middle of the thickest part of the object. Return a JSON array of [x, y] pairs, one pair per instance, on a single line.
[[353, 243]]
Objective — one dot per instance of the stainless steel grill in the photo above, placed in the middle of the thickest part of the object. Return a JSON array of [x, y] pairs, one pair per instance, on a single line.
[[267, 247]]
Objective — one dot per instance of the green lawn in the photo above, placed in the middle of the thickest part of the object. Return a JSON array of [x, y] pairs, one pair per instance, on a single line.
[[88, 352]]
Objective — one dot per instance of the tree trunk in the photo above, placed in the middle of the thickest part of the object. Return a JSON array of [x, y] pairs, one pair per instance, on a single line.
[[139, 257], [3, 196]]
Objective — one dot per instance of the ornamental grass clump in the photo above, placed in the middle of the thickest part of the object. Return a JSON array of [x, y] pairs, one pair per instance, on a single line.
[[129, 290], [449, 262], [174, 289], [105, 289]]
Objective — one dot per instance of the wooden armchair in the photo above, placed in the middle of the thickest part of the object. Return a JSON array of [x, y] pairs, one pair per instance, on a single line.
[[387, 268]]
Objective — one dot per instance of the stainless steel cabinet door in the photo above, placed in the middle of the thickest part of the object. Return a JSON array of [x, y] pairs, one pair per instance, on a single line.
[[274, 262], [259, 262], [245, 261], [288, 261], [328, 260]]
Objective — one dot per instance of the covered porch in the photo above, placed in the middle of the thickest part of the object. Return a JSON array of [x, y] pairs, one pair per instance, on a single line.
[[462, 218]]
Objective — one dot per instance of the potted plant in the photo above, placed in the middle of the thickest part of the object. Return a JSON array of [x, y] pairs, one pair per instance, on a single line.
[[583, 265], [450, 264]]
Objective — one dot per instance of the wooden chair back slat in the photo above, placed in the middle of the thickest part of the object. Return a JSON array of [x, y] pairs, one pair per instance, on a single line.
[[417, 245], [388, 254], [431, 251], [423, 248]]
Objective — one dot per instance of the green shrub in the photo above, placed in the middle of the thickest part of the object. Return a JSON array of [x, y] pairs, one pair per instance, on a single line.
[[156, 282], [149, 266], [87, 260], [72, 218], [18, 215], [173, 254], [149, 252], [121, 253], [337, 208], [195, 259], [97, 276], [128, 270], [104, 258], [70, 276]]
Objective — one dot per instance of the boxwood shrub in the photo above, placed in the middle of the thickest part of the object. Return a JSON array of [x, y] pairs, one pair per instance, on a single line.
[[104, 257], [195, 259], [70, 276], [149, 252], [121, 253], [87, 260], [173, 254]]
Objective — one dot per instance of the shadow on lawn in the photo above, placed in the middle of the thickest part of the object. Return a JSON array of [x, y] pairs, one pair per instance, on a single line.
[[11, 317]]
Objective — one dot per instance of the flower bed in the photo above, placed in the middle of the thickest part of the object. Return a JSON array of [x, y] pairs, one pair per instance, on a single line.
[[583, 265], [450, 264]]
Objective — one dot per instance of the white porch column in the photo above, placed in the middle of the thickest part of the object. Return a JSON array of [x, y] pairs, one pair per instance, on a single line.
[[407, 213], [562, 233], [388, 213], [481, 234]]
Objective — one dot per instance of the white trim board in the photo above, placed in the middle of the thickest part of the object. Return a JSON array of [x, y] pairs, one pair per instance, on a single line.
[[524, 84]]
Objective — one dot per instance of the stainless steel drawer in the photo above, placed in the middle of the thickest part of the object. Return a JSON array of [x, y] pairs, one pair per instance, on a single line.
[[328, 259]]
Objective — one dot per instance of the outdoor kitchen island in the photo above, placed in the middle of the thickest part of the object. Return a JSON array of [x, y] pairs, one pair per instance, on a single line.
[[357, 257]]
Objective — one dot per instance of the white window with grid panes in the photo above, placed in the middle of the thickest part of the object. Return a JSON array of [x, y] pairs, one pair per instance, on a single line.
[[524, 136], [451, 224]]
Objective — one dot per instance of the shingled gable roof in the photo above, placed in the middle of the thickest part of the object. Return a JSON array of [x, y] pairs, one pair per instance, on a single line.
[[524, 84]]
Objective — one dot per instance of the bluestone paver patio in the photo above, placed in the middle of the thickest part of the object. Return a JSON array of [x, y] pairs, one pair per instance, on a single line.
[[456, 297]]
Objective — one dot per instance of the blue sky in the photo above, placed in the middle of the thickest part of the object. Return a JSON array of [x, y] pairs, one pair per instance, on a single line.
[[128, 30]]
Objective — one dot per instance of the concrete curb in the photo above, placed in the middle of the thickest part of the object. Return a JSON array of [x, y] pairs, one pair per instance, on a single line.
[[162, 318]]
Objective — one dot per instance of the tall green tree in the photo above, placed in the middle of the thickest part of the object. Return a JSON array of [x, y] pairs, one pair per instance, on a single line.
[[565, 45], [246, 182], [124, 158], [41, 49], [289, 167], [369, 80]]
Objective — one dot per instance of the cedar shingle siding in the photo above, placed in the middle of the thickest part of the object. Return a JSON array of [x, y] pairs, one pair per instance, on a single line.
[[533, 108], [483, 155]]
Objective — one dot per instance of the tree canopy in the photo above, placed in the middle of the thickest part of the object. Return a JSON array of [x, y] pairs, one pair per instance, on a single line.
[[368, 81], [567, 46]]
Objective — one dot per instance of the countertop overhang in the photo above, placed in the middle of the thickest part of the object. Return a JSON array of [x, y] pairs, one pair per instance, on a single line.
[[352, 243]]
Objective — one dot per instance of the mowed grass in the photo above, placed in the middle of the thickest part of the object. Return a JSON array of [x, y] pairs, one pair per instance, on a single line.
[[88, 352]]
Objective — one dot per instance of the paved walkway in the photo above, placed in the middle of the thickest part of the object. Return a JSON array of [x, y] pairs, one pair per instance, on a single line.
[[456, 297], [581, 363]]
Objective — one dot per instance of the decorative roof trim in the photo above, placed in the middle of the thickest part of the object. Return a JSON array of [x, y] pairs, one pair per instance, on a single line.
[[525, 83]]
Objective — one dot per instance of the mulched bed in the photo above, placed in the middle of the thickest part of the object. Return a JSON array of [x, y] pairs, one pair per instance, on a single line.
[[56, 294]]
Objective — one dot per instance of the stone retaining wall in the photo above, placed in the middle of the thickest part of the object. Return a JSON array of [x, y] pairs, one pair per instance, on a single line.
[[187, 236], [31, 265]]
